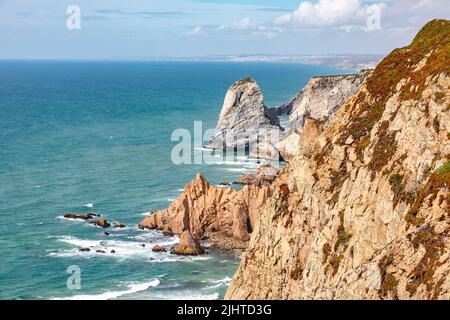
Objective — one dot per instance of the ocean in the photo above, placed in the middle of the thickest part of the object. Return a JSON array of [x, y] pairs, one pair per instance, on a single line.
[[96, 137]]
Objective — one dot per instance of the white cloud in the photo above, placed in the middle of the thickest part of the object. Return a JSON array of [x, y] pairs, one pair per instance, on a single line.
[[326, 13], [196, 30], [244, 24]]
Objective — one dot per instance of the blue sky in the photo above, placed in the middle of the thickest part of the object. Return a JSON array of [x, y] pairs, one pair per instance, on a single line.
[[32, 29]]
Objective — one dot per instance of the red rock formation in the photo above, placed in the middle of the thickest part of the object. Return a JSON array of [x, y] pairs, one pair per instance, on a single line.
[[224, 215]]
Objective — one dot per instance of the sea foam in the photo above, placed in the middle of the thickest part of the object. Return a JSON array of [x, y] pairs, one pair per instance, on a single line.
[[108, 295]]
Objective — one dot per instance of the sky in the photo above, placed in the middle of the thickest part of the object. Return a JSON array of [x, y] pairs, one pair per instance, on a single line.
[[116, 29]]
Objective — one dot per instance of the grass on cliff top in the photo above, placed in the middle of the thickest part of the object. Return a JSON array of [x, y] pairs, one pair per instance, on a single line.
[[244, 81], [431, 43]]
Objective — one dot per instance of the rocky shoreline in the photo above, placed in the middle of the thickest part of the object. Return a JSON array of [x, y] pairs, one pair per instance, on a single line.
[[362, 210]]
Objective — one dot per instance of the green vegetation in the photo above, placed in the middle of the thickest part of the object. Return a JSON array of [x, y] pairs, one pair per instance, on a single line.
[[431, 43], [436, 125], [444, 169], [335, 262], [388, 281], [396, 181], [384, 149], [326, 250], [438, 96], [438, 180], [424, 271]]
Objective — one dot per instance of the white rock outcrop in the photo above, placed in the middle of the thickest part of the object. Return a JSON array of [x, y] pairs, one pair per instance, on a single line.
[[245, 121]]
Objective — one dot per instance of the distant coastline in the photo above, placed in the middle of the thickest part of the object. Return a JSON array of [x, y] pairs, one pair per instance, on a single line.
[[352, 62], [346, 62]]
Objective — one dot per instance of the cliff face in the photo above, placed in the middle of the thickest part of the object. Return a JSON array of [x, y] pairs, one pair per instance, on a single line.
[[315, 104], [243, 117], [223, 215], [322, 96], [363, 212]]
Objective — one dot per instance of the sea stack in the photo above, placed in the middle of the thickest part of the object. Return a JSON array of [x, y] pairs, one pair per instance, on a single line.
[[244, 120]]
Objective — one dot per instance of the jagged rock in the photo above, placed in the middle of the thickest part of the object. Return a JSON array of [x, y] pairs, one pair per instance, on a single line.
[[158, 248], [365, 217], [209, 212], [244, 119], [188, 246], [119, 225]]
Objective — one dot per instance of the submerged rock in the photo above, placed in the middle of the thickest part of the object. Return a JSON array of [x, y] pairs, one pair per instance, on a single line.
[[84, 216], [102, 223], [158, 248]]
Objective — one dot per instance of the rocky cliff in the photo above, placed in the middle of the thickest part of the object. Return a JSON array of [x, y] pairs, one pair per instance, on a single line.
[[224, 216], [315, 104], [363, 212], [244, 119], [322, 96]]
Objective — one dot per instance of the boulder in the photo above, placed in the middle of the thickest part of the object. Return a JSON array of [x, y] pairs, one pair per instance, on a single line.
[[71, 216], [158, 248], [102, 223], [119, 225], [84, 216], [188, 246]]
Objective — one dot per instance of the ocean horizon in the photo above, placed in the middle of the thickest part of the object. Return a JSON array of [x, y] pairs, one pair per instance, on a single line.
[[95, 136]]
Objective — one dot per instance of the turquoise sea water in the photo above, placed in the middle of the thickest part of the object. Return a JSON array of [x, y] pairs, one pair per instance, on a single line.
[[95, 137]]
